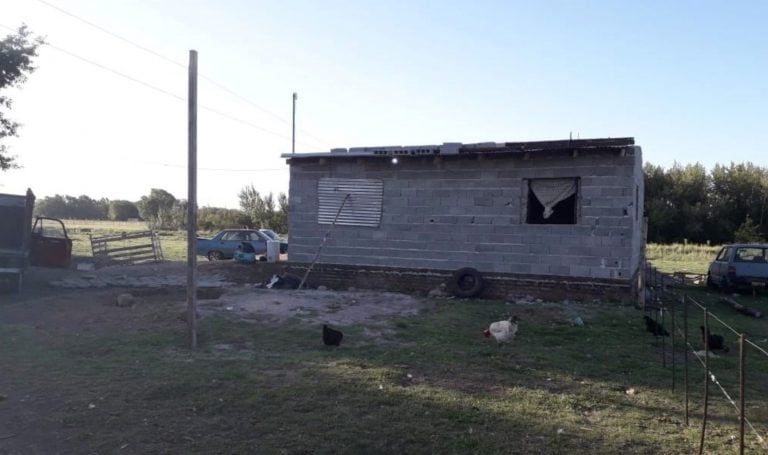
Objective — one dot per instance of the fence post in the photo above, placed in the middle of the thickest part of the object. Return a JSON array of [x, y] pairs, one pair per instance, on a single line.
[[663, 341], [706, 379], [742, 379], [685, 357], [674, 365]]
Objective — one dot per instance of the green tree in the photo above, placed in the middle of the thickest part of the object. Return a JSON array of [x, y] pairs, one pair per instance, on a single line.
[[122, 210], [748, 232], [82, 207], [161, 210], [264, 211], [738, 191], [280, 219], [215, 218], [17, 52]]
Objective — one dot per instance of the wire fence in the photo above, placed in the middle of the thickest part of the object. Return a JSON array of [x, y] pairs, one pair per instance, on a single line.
[[666, 304]]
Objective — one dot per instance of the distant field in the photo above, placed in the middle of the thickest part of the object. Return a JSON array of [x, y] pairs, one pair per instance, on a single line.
[[678, 257]]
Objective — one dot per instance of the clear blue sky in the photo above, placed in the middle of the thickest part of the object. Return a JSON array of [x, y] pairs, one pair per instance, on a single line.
[[689, 80]]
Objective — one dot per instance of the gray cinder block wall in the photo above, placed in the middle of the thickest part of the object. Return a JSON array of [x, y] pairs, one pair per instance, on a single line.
[[468, 210]]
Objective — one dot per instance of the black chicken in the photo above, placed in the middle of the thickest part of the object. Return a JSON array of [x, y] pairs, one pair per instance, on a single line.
[[331, 337], [716, 342], [654, 327]]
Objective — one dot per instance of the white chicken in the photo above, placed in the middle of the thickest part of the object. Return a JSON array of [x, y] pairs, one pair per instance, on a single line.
[[502, 331]]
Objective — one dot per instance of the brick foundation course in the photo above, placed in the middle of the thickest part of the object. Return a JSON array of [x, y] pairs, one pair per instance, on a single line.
[[497, 285]]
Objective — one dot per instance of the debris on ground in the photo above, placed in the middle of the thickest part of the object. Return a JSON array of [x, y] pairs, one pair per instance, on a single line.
[[577, 321], [284, 281], [438, 292], [125, 300]]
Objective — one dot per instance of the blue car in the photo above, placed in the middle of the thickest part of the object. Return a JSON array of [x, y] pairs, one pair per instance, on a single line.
[[224, 244]]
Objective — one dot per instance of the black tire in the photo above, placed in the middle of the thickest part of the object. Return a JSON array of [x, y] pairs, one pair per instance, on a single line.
[[466, 282], [710, 283], [215, 255]]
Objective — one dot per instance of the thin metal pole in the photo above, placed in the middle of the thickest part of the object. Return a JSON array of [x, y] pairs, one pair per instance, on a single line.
[[685, 358], [672, 313], [663, 312], [293, 126], [742, 380], [322, 244], [192, 203], [706, 380]]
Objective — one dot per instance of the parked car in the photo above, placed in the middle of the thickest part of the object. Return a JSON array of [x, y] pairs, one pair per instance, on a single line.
[[275, 236], [739, 265], [224, 244]]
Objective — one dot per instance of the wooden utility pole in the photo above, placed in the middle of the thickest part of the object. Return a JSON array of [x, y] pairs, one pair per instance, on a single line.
[[192, 203], [293, 132]]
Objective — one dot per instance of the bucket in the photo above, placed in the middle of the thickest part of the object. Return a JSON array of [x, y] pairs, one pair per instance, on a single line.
[[273, 250]]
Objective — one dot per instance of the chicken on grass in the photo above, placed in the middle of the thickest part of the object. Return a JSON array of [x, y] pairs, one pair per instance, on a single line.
[[331, 337], [716, 342], [502, 331], [654, 327]]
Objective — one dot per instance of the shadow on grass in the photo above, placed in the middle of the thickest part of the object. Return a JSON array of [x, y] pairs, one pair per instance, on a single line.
[[434, 386]]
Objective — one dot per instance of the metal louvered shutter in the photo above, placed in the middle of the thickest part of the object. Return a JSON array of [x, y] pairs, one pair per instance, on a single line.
[[363, 208]]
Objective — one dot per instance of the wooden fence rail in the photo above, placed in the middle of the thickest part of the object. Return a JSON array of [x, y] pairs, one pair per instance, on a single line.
[[127, 248]]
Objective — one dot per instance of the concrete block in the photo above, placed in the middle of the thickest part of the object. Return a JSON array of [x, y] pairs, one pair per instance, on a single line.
[[579, 270], [520, 268], [559, 270], [483, 201]]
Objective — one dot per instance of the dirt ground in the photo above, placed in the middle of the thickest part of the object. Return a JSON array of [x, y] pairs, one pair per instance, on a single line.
[[93, 307]]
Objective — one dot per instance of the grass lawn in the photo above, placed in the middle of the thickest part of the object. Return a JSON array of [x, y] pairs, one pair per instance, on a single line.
[[680, 257], [434, 385]]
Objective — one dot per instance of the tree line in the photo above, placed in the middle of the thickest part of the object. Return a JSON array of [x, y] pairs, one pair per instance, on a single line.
[[683, 203], [162, 210], [689, 203]]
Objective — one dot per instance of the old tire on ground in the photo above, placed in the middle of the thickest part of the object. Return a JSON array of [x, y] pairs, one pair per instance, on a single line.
[[215, 255], [466, 282]]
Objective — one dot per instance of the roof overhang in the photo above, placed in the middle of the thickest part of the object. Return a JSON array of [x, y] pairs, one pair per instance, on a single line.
[[611, 145]]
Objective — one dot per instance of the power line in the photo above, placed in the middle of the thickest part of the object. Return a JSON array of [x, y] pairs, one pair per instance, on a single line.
[[161, 90], [182, 65], [118, 73], [115, 35], [168, 93]]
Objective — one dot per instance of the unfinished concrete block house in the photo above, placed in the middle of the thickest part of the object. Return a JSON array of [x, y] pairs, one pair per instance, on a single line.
[[561, 217]]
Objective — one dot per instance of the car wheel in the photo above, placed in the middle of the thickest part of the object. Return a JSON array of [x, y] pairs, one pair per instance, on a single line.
[[466, 282], [215, 256], [710, 283]]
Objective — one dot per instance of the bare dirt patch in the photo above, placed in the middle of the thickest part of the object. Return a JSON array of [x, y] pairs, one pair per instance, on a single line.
[[316, 306]]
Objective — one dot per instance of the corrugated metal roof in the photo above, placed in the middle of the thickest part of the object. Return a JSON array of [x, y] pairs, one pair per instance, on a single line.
[[456, 148]]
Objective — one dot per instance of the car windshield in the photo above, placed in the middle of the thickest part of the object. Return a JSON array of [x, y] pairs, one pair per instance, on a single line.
[[269, 233]]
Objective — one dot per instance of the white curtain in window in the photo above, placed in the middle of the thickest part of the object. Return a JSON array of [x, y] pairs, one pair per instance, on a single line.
[[551, 191]]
